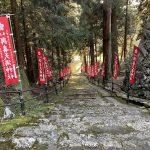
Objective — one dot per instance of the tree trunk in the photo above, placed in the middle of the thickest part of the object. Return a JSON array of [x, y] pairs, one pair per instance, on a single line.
[[125, 32], [58, 58], [114, 35], [107, 53], [95, 50], [29, 63], [64, 57], [19, 47], [84, 60], [20, 52], [52, 53], [91, 43]]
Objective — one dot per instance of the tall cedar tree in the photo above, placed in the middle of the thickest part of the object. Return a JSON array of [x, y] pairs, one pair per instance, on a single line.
[[18, 42]]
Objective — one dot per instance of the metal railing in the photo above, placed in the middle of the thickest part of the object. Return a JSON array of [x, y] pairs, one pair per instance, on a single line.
[[114, 87], [17, 96]]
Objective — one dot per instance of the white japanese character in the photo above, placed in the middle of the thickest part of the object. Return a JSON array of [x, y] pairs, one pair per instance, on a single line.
[[11, 69], [12, 76], [39, 53], [3, 41], [7, 62], [5, 49], [7, 69], [1, 27], [9, 76], [6, 56]]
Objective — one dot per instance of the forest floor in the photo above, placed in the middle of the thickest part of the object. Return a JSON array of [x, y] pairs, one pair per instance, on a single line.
[[84, 117]]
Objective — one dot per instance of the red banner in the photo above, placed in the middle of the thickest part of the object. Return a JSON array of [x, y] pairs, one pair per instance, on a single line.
[[65, 71], [60, 74], [68, 70], [102, 71], [83, 68], [7, 54], [48, 70], [89, 71], [92, 71], [41, 78], [116, 67], [133, 65], [95, 69]]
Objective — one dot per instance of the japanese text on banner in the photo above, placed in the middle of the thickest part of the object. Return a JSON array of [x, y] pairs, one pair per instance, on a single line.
[[133, 65], [48, 70], [116, 67], [7, 55], [41, 70]]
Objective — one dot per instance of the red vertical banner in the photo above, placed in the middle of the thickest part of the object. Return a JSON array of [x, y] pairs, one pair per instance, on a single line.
[[116, 67], [7, 54], [82, 68], [41, 70], [60, 74], [89, 70], [133, 64], [102, 71], [95, 69], [65, 71], [68, 70], [92, 70], [48, 70]]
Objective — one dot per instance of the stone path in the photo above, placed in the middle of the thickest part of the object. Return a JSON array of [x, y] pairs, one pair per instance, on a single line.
[[86, 118]]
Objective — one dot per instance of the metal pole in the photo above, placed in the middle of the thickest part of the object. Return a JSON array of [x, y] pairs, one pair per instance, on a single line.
[[54, 84], [60, 84], [112, 88], [46, 91], [128, 94], [103, 83], [63, 81], [46, 81], [20, 82], [22, 103], [98, 81]]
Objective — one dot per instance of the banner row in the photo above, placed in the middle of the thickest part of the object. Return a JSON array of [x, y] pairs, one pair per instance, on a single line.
[[99, 70]]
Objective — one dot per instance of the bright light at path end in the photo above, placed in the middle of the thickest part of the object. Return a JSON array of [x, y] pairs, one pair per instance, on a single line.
[[135, 2], [76, 58]]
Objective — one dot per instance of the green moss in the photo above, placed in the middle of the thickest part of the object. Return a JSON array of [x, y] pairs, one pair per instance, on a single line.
[[32, 116], [38, 109], [9, 125]]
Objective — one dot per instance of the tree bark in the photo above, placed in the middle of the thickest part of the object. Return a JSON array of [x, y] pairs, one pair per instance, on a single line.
[[20, 51], [95, 50], [125, 31], [84, 60], [107, 53], [58, 58], [91, 43], [29, 63], [114, 35]]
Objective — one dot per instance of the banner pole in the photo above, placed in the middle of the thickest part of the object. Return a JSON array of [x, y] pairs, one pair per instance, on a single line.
[[46, 80], [20, 82], [112, 88]]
